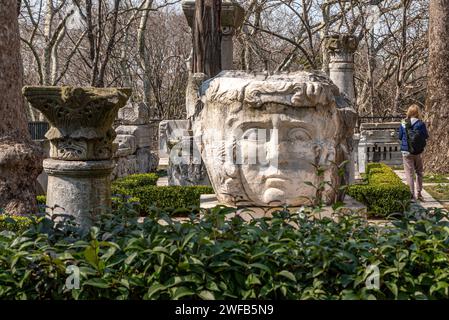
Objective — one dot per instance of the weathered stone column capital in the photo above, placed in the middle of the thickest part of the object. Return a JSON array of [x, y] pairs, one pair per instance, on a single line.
[[341, 47], [80, 119]]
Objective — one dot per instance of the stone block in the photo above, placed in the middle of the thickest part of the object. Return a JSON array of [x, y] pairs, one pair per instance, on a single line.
[[350, 207], [124, 167], [147, 160], [189, 174], [79, 188], [134, 114], [170, 133], [142, 134]]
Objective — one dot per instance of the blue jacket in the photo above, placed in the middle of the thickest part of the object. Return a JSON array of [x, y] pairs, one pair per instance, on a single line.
[[419, 125]]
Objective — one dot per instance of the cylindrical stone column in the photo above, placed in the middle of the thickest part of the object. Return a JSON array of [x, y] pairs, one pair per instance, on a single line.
[[80, 188], [341, 67], [81, 147], [341, 71]]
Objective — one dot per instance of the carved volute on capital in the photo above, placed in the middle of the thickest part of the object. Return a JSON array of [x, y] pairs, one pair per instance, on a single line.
[[80, 118]]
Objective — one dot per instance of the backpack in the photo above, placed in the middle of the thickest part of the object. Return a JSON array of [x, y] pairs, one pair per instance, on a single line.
[[415, 139]]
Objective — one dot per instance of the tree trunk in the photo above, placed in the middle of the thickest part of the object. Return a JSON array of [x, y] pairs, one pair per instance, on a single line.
[[207, 38], [437, 104], [20, 159]]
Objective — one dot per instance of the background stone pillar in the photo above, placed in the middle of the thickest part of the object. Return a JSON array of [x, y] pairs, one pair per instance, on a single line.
[[341, 67], [81, 147], [232, 15], [341, 71]]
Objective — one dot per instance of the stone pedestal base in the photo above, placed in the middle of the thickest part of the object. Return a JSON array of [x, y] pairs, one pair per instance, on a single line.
[[78, 188]]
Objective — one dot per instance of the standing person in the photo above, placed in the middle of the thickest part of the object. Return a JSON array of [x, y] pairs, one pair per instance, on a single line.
[[413, 135]]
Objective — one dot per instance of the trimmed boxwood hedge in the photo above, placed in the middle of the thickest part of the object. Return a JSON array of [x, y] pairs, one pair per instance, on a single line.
[[165, 197], [41, 200], [141, 190], [137, 180], [382, 191]]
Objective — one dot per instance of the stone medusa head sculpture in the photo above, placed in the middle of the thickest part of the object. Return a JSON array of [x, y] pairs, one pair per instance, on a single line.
[[262, 137]]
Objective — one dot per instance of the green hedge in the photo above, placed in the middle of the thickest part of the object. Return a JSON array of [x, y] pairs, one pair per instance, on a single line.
[[382, 191], [14, 223], [137, 180], [41, 200], [140, 192], [163, 197]]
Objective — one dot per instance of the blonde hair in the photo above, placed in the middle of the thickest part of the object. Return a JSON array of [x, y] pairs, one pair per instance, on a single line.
[[413, 111]]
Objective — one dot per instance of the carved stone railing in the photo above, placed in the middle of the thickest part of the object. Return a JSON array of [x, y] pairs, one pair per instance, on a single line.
[[379, 142]]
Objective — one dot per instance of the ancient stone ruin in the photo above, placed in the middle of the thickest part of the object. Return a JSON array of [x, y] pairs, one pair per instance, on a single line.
[[177, 143], [264, 136], [175, 135], [341, 49], [135, 136], [81, 147]]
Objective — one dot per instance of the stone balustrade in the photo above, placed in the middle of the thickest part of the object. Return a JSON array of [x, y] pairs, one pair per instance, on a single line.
[[379, 142]]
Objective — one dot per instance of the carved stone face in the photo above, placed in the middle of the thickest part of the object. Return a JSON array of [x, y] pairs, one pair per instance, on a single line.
[[279, 150], [263, 137], [126, 145]]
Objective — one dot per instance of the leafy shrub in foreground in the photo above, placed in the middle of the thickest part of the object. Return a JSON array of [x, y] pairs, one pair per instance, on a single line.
[[291, 256], [383, 191]]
